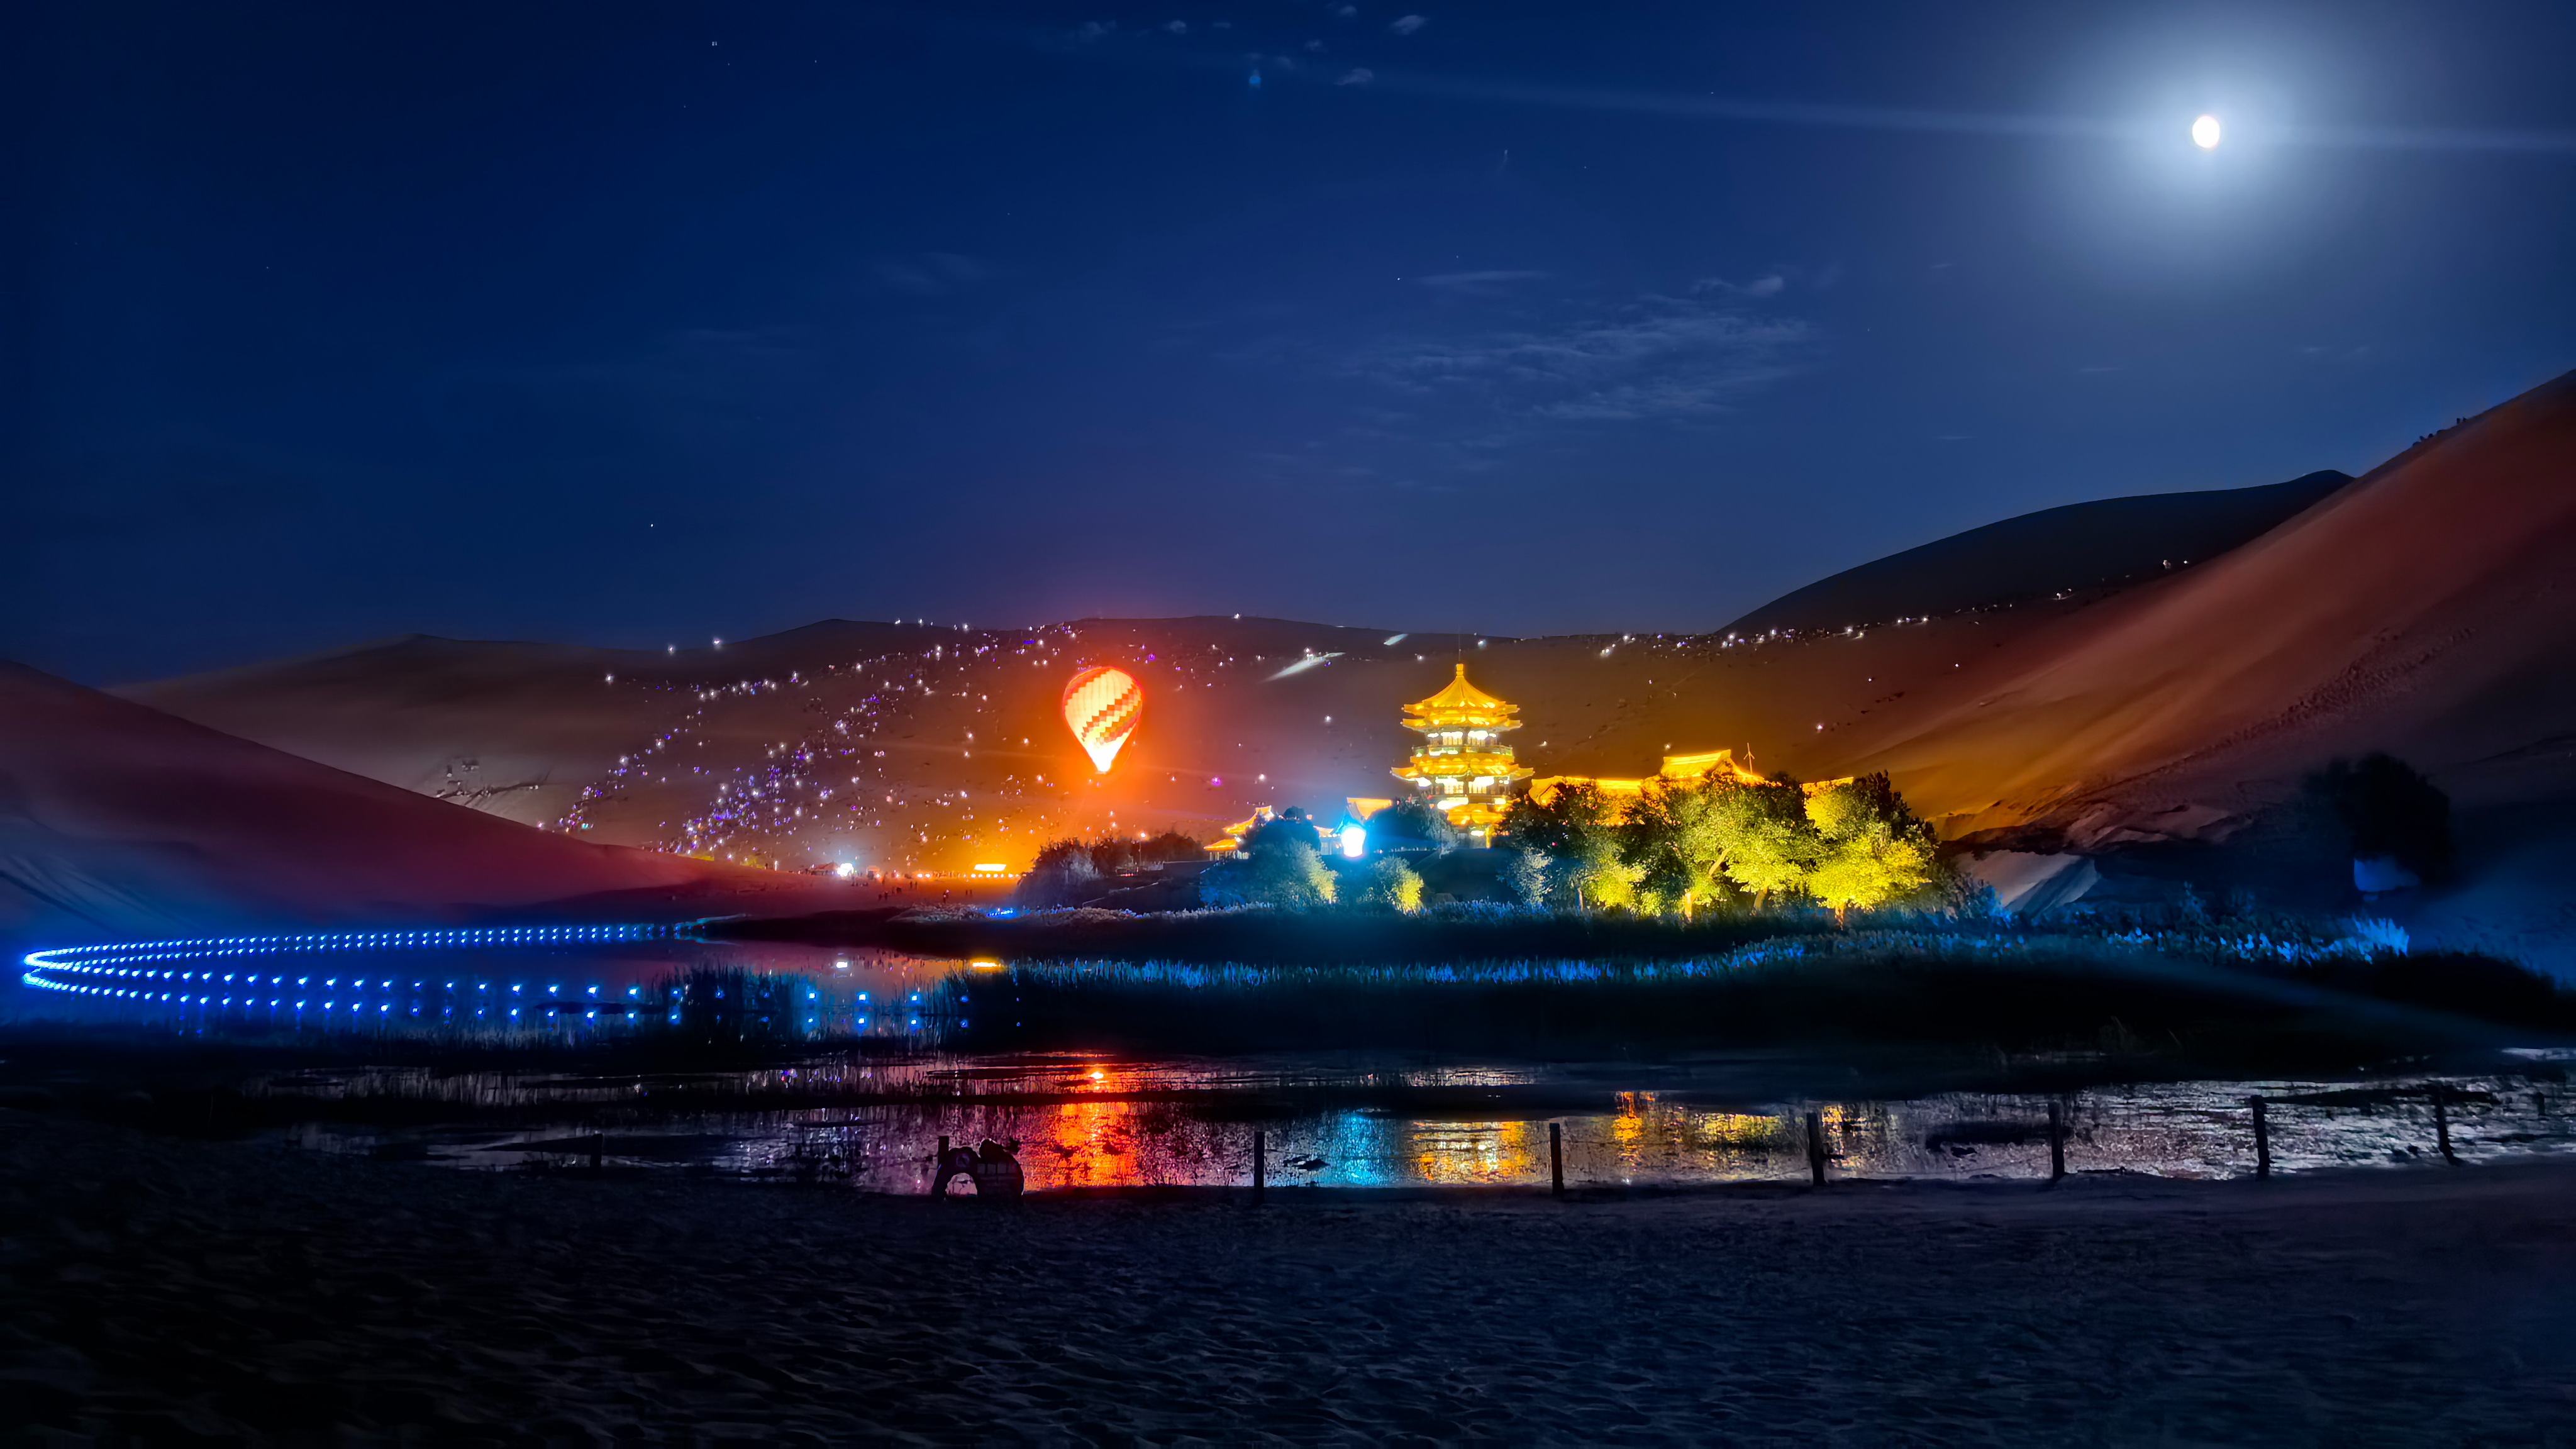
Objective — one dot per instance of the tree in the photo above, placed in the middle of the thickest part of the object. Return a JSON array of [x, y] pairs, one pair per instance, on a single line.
[[1576, 813], [1672, 832], [1766, 843], [2389, 809], [1873, 848], [1408, 820], [1062, 875], [1668, 882], [1392, 884], [1596, 874], [1524, 874], [1289, 825], [1281, 868]]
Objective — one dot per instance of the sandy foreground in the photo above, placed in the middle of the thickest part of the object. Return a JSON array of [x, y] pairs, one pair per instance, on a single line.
[[159, 1291]]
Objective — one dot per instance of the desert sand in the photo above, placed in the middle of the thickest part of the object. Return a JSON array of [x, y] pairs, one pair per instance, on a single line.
[[2421, 610], [119, 821], [2074, 548], [232, 1293], [2418, 609]]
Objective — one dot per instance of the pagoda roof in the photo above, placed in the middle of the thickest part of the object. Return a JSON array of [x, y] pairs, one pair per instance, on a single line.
[[1461, 697]]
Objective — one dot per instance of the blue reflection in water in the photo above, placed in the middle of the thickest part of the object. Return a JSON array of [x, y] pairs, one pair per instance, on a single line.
[[1082, 1122]]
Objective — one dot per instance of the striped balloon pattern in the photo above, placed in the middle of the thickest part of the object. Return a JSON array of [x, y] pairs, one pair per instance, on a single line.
[[1102, 706]]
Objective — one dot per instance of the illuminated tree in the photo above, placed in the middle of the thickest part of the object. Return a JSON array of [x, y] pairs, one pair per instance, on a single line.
[[1572, 816], [1524, 874], [1394, 885], [1281, 868], [1874, 850], [1766, 844], [1596, 874]]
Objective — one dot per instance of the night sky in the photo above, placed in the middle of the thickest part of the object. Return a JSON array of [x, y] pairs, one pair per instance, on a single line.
[[640, 325]]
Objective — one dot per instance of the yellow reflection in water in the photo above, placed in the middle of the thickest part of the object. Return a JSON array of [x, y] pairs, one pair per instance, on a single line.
[[1472, 1152]]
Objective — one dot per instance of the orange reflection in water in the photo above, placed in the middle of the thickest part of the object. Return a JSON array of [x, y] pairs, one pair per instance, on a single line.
[[1104, 1139], [1472, 1152]]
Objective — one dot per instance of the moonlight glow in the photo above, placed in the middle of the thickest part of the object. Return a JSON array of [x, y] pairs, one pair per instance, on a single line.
[[2204, 133]]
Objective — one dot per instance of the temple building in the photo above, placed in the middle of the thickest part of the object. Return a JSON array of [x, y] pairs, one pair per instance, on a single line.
[[1462, 767], [1678, 770]]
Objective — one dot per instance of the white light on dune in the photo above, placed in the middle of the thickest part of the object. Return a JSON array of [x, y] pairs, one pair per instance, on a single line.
[[2204, 133]]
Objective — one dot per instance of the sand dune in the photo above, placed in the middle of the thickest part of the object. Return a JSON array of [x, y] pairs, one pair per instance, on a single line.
[[2425, 609], [2418, 609], [955, 735], [2074, 549], [119, 820]]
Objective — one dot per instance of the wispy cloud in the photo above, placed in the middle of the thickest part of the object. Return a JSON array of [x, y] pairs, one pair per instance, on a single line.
[[1765, 286], [933, 274], [1407, 24], [1655, 358], [1357, 76], [1478, 284]]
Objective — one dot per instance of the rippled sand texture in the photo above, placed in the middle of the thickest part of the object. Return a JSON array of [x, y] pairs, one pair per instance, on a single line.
[[252, 1293]]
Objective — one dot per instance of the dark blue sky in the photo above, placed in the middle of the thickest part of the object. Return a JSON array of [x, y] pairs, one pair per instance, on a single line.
[[645, 324]]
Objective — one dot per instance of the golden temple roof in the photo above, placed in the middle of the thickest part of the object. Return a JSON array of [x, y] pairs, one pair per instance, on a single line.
[[1463, 703]]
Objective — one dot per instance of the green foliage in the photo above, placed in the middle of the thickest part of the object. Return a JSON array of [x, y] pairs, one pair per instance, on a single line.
[[1063, 875], [1674, 833], [1411, 820], [1068, 872], [1281, 868], [1290, 826], [1854, 845], [1596, 874], [1392, 884], [1575, 815], [1667, 882], [1171, 847], [1767, 845], [1524, 875], [1874, 851]]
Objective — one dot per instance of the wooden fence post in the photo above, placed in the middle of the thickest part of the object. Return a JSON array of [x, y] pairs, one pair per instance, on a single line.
[[1816, 1147], [2442, 1127], [2262, 1141], [1556, 1159], [2056, 1142], [1260, 1165]]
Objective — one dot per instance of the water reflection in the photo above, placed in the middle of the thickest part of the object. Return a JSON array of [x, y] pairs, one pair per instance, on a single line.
[[1141, 1125], [870, 1110]]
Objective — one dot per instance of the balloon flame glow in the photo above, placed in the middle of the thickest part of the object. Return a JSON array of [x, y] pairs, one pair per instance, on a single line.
[[1102, 706]]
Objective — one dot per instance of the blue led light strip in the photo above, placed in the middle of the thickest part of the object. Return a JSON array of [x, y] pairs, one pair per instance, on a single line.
[[140, 970]]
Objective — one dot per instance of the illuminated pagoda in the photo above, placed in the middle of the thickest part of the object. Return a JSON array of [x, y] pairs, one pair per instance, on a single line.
[[1462, 767]]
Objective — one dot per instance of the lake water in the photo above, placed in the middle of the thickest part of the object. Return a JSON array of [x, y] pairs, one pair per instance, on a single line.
[[864, 1081]]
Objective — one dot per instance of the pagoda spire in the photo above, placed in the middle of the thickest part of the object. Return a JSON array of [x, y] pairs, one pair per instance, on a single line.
[[1462, 767]]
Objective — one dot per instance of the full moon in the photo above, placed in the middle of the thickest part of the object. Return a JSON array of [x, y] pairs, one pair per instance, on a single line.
[[2204, 133]]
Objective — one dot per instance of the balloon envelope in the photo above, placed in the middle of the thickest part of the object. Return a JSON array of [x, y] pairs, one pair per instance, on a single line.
[[1101, 707]]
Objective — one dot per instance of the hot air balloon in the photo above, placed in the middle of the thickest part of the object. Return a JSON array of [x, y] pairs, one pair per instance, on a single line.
[[1102, 706]]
